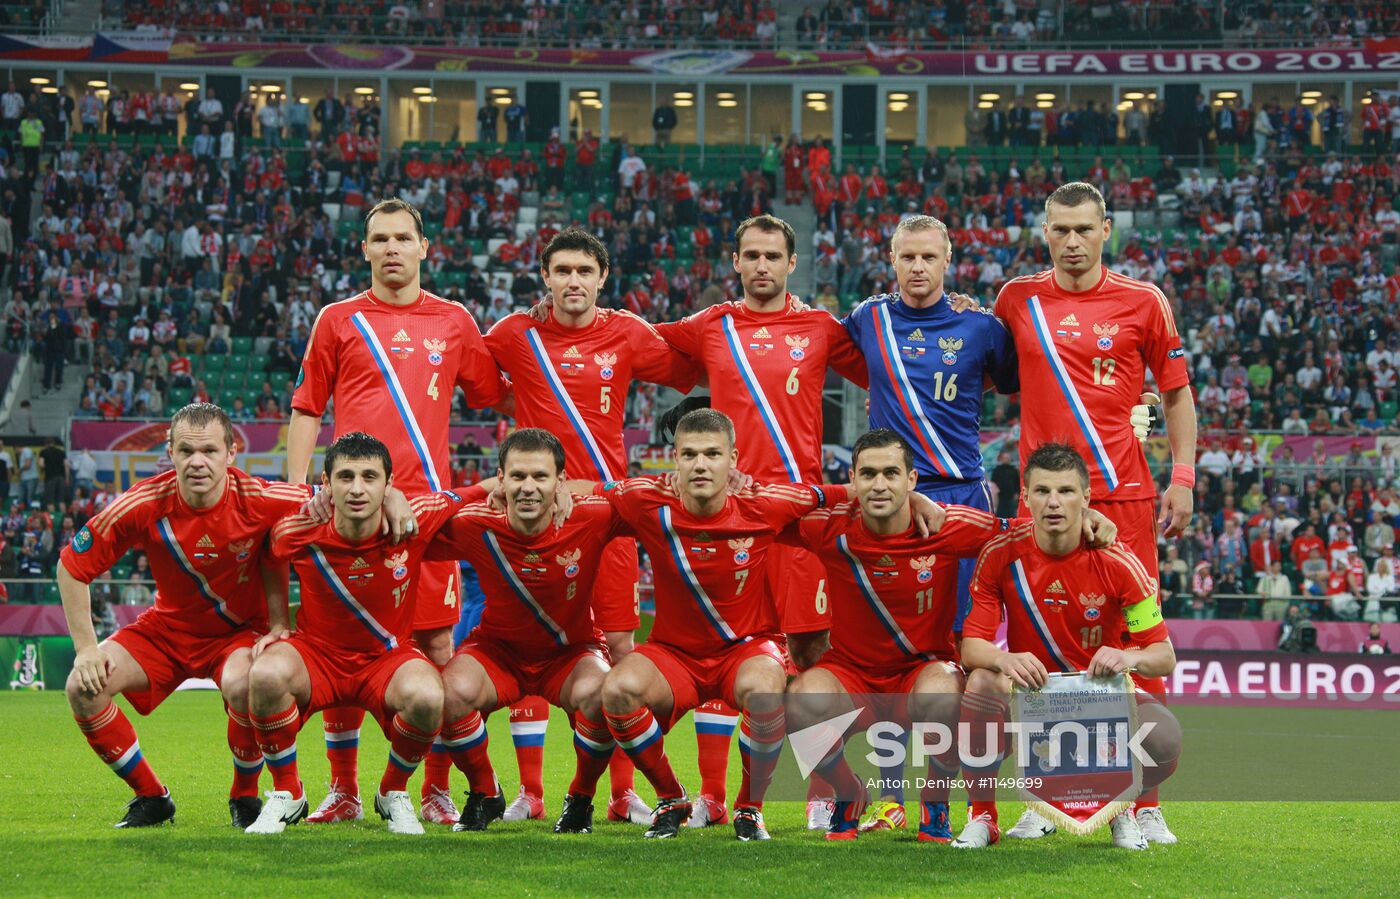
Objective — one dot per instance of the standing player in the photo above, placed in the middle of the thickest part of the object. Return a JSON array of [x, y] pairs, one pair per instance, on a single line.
[[1066, 607], [537, 634], [572, 373], [771, 360], [928, 367], [350, 646], [389, 359], [204, 527], [1086, 338]]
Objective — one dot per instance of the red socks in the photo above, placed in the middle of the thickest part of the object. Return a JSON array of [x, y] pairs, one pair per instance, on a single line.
[[594, 749], [714, 732], [639, 735], [407, 746], [466, 743], [985, 719], [342, 727], [760, 743], [112, 737], [277, 738], [247, 757], [529, 720]]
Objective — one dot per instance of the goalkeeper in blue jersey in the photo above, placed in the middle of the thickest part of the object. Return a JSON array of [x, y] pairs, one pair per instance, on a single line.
[[929, 367]]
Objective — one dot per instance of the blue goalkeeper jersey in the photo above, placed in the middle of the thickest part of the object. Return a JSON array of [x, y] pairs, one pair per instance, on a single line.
[[927, 370]]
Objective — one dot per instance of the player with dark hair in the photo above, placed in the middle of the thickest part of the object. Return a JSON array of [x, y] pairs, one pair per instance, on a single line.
[[389, 360], [573, 365], [203, 526], [769, 357], [1066, 607], [1086, 339], [350, 646], [537, 634], [716, 634]]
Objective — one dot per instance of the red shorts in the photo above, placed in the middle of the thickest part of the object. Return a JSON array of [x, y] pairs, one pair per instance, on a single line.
[[797, 582], [894, 679], [357, 679], [694, 681], [1137, 527], [170, 656], [515, 677], [616, 603], [439, 601]]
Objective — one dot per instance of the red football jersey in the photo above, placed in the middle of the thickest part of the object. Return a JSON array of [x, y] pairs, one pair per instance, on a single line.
[[359, 596], [1084, 360], [206, 562], [1062, 608], [706, 600], [391, 371], [895, 595], [766, 372], [537, 588], [573, 382]]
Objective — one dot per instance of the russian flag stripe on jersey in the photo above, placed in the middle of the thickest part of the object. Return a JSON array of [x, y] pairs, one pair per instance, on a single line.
[[391, 381], [904, 389], [566, 402], [1076, 405], [522, 593], [167, 536], [873, 598], [343, 593], [765, 409], [1023, 590], [697, 590]]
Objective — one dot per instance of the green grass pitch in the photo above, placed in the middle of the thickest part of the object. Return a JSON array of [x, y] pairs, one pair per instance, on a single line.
[[58, 802]]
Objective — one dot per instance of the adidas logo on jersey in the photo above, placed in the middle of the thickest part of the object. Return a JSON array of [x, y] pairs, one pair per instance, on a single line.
[[703, 537], [762, 334], [204, 543], [402, 337], [572, 353], [533, 558], [1069, 321], [885, 562], [918, 334], [1055, 587], [358, 563]]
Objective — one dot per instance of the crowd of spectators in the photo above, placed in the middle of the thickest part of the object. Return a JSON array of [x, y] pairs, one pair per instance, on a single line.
[[1295, 23], [148, 257]]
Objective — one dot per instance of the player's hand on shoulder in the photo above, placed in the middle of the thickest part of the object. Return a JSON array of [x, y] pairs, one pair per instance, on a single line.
[[1099, 530], [796, 303], [738, 482], [1023, 668], [276, 635], [541, 311], [92, 667], [961, 302], [928, 515], [563, 506], [1108, 661], [319, 507], [399, 521]]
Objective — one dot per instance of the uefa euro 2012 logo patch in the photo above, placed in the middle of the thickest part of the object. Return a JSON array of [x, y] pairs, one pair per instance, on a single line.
[[82, 541]]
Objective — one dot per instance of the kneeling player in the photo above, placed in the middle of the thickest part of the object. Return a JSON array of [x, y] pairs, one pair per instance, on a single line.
[[716, 633], [1065, 606], [350, 646], [204, 527], [537, 635]]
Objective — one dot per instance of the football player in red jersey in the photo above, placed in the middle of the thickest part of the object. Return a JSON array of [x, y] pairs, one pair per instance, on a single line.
[[390, 359], [537, 633], [573, 365], [1066, 607], [771, 356], [1086, 338], [350, 646], [204, 527]]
